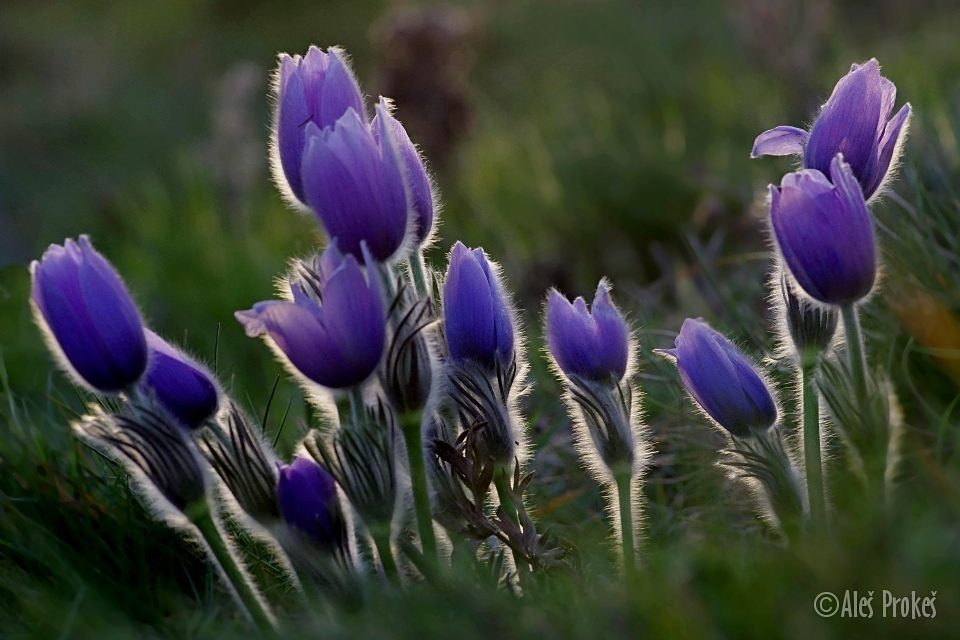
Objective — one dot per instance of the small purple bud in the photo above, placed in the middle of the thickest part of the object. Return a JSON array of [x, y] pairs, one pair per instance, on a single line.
[[418, 182], [722, 381], [354, 182], [825, 233], [89, 318], [307, 495], [855, 121], [476, 317], [591, 344], [317, 88], [334, 331], [181, 385]]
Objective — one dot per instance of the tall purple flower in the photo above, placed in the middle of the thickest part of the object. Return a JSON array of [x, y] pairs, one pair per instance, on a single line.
[[855, 121], [591, 344], [825, 234], [722, 381], [317, 88], [307, 496], [476, 317], [181, 385], [418, 182], [88, 317], [333, 331], [353, 179]]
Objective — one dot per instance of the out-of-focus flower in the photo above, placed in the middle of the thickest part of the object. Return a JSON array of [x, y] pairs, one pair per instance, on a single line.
[[591, 344], [88, 317], [476, 318], [825, 233], [307, 495], [855, 121], [418, 182], [353, 179], [181, 385], [721, 380], [333, 332], [317, 89]]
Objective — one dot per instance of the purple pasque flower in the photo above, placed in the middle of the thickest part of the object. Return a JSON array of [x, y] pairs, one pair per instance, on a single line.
[[721, 380], [855, 121], [825, 233], [307, 497], [591, 344], [88, 316], [476, 316], [353, 179], [181, 385], [333, 330], [317, 88], [417, 180]]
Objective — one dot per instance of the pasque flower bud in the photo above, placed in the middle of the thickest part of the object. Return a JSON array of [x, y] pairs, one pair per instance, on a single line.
[[333, 331], [88, 317], [182, 386], [307, 495], [825, 233], [855, 121], [722, 381]]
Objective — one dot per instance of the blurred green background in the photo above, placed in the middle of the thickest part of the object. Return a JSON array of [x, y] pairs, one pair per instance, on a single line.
[[573, 139]]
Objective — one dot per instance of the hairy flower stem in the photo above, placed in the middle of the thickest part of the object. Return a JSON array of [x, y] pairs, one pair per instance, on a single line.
[[418, 480], [501, 480], [200, 515], [625, 504], [858, 364], [418, 273], [811, 443], [381, 538]]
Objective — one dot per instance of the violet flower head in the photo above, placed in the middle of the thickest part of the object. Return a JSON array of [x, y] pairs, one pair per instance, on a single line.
[[591, 344], [315, 89], [334, 329], [476, 319], [417, 180], [354, 180], [855, 121], [181, 385], [825, 233], [88, 316], [722, 381], [307, 496]]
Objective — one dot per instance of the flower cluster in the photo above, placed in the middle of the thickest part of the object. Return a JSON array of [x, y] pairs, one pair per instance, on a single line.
[[416, 373]]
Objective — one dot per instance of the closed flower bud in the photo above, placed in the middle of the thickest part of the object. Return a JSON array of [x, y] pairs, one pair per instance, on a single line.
[[315, 89], [589, 344], [353, 179], [825, 233], [477, 321], [855, 121], [333, 331], [811, 326], [307, 495], [417, 180], [722, 381], [182, 386], [88, 317]]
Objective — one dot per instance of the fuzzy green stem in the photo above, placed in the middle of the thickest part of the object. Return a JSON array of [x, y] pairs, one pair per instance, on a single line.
[[625, 504], [418, 481], [418, 273], [858, 364], [381, 538], [200, 515], [811, 445]]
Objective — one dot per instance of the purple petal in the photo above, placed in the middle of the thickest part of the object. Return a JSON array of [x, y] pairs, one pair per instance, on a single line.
[[468, 308], [292, 117], [307, 498], [340, 93], [181, 386], [779, 141], [889, 145], [417, 181]]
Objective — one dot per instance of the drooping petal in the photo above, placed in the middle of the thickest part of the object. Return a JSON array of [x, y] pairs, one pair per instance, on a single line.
[[779, 141]]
